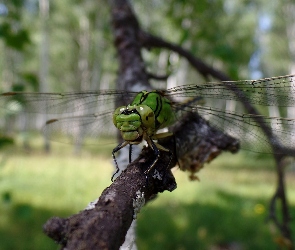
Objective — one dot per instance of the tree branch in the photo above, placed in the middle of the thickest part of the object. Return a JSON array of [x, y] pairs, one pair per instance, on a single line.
[[150, 41], [279, 151], [105, 224], [132, 74]]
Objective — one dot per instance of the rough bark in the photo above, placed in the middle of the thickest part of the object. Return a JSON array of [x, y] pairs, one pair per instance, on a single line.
[[104, 224]]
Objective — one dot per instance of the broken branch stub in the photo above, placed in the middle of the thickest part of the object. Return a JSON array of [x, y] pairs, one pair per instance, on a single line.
[[198, 143]]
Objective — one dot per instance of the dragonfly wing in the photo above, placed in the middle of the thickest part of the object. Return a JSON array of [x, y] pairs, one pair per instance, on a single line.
[[96, 127], [244, 128], [75, 103], [73, 116], [277, 91]]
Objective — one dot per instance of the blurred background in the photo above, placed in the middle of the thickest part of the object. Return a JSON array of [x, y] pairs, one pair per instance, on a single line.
[[61, 46]]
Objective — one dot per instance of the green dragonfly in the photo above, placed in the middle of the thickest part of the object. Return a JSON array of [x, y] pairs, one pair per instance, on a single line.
[[92, 112]]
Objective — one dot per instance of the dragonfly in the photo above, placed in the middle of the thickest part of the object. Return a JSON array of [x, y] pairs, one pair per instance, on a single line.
[[93, 114]]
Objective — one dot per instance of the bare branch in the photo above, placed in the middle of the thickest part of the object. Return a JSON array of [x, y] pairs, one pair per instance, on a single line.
[[150, 41], [132, 74], [105, 225]]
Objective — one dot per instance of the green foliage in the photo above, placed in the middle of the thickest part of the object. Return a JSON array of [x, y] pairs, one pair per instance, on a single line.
[[222, 33], [219, 32], [5, 141], [76, 31], [14, 39], [6, 197], [13, 32], [30, 79]]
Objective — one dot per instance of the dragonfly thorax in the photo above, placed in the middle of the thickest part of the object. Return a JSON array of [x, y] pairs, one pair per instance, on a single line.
[[134, 122]]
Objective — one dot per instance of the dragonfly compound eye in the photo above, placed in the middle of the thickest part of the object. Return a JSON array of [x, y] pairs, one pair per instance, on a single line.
[[147, 116]]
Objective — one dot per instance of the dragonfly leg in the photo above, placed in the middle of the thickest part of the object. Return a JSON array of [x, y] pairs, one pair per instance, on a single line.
[[157, 153], [157, 148], [116, 149], [164, 135]]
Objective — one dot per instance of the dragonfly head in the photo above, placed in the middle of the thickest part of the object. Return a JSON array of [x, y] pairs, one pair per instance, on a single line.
[[133, 121], [128, 121]]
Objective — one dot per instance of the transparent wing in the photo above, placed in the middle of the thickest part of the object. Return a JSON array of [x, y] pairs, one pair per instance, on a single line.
[[243, 127], [75, 103], [97, 128], [74, 115], [276, 91], [88, 109]]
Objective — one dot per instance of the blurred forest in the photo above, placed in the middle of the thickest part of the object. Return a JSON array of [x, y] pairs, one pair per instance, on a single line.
[[61, 46], [67, 45], [51, 46]]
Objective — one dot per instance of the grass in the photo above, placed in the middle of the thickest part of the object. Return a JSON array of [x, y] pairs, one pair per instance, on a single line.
[[228, 206]]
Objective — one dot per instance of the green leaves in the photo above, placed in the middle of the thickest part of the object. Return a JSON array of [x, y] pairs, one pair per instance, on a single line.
[[13, 37]]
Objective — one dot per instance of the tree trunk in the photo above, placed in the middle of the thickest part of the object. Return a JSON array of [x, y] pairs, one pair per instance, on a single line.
[[44, 59]]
